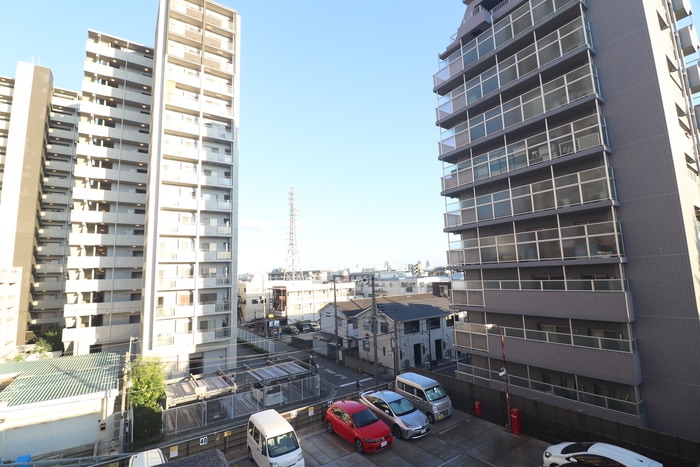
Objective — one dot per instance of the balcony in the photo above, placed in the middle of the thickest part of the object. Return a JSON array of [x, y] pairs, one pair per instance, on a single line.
[[576, 189], [91, 309], [549, 96], [636, 409], [504, 30]]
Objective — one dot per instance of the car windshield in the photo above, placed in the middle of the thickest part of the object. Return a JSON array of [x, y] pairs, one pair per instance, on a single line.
[[282, 444], [363, 418], [435, 393], [402, 406]]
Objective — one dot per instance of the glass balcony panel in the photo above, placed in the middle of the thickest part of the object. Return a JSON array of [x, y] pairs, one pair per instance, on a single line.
[[527, 252], [573, 40], [594, 191], [489, 255], [580, 88], [524, 237], [522, 205], [477, 132], [615, 344], [527, 64], [542, 10], [568, 196], [485, 46], [503, 32], [579, 285], [470, 57], [530, 285], [471, 256], [517, 160], [533, 108], [501, 209], [601, 228], [481, 172], [622, 406], [536, 335], [468, 216], [549, 250], [586, 341], [485, 212], [488, 241], [493, 125], [559, 338], [506, 75], [542, 201], [512, 117], [498, 166], [575, 248], [506, 253], [521, 23]]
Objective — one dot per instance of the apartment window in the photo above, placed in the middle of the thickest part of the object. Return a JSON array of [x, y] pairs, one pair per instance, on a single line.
[[384, 328], [434, 323], [134, 319], [411, 327]]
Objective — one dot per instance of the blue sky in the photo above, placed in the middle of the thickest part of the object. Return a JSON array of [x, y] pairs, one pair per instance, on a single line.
[[336, 102]]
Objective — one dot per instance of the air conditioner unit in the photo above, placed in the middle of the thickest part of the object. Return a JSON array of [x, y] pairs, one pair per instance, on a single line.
[[426, 365]]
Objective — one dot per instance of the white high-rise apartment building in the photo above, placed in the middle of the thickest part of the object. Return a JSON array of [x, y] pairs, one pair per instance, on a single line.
[[132, 245]]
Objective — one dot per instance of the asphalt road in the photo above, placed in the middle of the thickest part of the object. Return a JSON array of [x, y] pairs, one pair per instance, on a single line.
[[461, 440]]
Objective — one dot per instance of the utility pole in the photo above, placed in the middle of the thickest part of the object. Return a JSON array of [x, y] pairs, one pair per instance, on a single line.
[[397, 346], [374, 330], [127, 372], [337, 340]]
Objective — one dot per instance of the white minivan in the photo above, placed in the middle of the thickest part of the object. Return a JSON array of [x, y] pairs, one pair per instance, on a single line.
[[426, 394], [271, 440]]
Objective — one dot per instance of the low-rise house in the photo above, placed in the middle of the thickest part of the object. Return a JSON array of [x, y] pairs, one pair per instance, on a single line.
[[409, 330], [57, 404]]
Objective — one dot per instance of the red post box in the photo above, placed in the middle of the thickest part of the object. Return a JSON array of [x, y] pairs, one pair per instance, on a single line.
[[477, 408], [515, 421]]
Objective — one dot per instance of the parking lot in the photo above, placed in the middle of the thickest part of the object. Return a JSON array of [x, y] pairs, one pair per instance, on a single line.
[[461, 440]]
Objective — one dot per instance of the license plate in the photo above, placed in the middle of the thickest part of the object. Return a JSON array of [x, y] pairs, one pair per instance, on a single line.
[[383, 443], [421, 432], [441, 416]]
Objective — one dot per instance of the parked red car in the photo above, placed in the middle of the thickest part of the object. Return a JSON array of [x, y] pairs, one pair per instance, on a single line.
[[358, 425]]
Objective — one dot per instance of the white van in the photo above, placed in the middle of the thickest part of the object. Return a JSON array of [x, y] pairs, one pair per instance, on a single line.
[[426, 394], [147, 458], [271, 440]]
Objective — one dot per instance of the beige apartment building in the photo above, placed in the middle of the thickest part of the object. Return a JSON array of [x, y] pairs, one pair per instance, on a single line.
[[123, 196]]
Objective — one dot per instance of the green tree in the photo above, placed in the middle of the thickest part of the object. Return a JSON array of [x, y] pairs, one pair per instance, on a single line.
[[148, 382], [147, 393]]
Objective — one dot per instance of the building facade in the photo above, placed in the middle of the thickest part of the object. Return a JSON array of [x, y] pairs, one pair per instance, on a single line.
[[570, 147], [122, 198]]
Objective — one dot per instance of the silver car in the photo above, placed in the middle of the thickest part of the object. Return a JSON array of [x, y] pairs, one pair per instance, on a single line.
[[396, 411]]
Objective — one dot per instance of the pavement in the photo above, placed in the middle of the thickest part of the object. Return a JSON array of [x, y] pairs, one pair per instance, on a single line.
[[460, 440]]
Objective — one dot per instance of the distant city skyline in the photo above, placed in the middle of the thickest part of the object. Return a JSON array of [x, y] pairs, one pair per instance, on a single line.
[[340, 109]]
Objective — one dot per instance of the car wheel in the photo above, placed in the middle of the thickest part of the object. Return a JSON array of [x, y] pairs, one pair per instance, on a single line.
[[431, 419], [359, 447], [396, 431], [250, 455], [329, 427]]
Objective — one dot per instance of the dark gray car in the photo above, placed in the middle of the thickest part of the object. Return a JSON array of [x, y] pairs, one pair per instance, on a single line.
[[396, 411]]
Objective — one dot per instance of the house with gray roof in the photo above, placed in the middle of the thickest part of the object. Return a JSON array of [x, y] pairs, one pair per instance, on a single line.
[[409, 330], [57, 404]]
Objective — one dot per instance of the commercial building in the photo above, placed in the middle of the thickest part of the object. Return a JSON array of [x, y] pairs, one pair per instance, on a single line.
[[570, 148], [121, 200]]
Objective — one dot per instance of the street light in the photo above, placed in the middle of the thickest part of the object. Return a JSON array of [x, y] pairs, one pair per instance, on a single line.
[[503, 373]]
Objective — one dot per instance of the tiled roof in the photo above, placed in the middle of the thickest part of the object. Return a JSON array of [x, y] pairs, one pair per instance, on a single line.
[[58, 378]]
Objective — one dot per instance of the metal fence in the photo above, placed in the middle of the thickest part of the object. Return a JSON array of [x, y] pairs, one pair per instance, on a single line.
[[208, 413]]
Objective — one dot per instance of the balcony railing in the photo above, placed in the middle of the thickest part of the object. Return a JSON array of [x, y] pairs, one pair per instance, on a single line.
[[475, 288], [557, 44], [502, 31], [596, 240], [567, 190], [575, 85], [619, 405]]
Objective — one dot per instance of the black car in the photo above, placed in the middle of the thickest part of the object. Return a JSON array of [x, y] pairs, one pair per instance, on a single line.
[[290, 330]]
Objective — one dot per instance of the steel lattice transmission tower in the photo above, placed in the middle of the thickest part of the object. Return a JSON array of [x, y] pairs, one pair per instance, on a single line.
[[292, 271]]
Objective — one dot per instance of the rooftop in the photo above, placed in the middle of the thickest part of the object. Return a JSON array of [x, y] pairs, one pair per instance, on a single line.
[[58, 378]]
